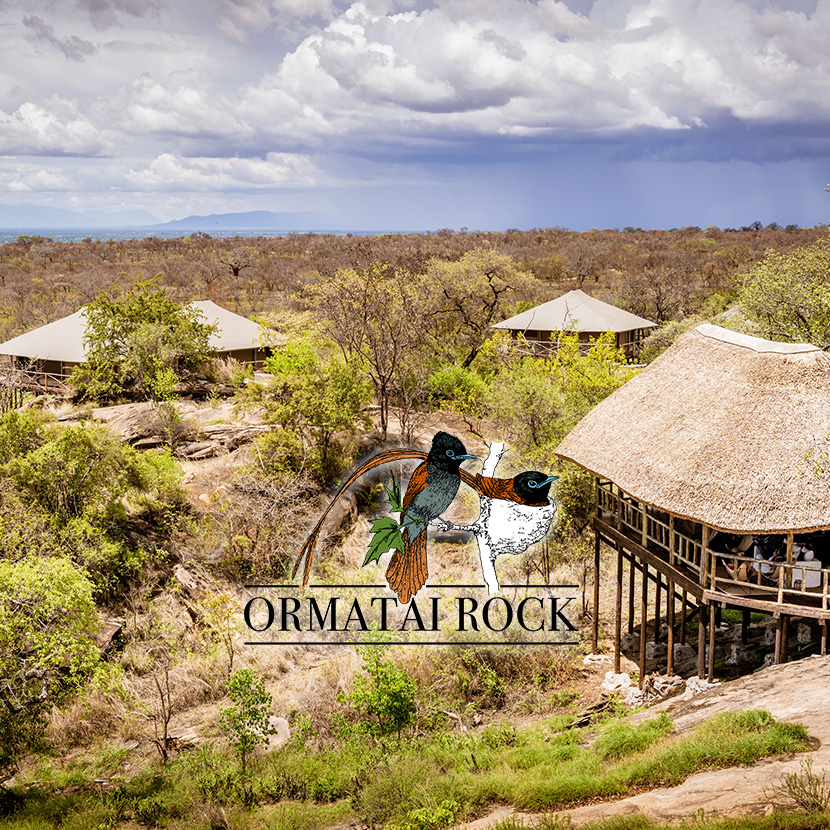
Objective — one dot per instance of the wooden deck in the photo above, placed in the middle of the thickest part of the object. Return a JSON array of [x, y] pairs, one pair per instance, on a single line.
[[675, 555]]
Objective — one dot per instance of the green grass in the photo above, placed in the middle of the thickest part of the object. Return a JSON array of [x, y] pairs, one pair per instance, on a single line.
[[638, 821], [392, 782]]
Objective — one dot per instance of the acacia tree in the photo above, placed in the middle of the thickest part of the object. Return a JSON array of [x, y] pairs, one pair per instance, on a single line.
[[376, 315], [788, 295], [140, 343], [466, 297]]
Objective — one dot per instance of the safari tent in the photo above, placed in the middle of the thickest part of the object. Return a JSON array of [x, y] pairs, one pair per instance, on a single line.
[[577, 311], [54, 350]]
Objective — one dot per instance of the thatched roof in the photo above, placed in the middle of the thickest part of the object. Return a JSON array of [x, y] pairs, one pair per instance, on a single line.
[[575, 311], [722, 428], [63, 340]]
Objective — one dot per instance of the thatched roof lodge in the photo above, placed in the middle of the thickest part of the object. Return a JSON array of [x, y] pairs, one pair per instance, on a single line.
[[578, 312], [723, 432], [54, 350]]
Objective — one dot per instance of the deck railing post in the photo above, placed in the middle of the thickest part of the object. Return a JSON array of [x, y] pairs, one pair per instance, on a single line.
[[672, 539], [704, 544]]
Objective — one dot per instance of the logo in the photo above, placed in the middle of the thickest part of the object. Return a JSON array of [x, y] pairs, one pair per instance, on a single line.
[[514, 514]]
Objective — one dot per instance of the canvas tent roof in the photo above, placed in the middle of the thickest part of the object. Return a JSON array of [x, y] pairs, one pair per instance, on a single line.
[[723, 429], [63, 340], [575, 311]]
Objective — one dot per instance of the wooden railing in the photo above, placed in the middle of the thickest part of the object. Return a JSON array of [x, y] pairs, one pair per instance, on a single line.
[[724, 571]]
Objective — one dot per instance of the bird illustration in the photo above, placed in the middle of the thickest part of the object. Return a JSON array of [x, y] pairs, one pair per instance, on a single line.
[[429, 493], [514, 513], [432, 487]]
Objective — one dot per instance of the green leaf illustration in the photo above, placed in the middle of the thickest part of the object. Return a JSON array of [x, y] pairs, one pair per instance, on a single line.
[[386, 534], [393, 496]]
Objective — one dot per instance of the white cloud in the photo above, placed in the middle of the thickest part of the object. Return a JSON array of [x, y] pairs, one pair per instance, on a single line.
[[29, 178], [57, 129], [275, 171]]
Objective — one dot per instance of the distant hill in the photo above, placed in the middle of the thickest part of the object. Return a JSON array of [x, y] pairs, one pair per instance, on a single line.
[[31, 217], [250, 220]]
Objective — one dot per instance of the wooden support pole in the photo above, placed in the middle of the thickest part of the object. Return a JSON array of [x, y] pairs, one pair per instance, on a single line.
[[643, 624], [779, 624], [701, 644], [631, 572], [618, 610], [712, 627], [785, 639], [683, 617], [657, 603], [595, 632], [823, 638], [745, 619], [670, 633]]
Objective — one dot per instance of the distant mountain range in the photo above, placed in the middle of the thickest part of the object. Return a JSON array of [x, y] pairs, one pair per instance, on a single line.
[[39, 217], [34, 217], [250, 220]]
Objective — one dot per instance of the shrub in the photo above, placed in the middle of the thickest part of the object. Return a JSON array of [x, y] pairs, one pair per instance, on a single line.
[[246, 723], [384, 696]]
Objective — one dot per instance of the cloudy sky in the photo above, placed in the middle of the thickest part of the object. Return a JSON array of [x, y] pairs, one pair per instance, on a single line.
[[411, 114]]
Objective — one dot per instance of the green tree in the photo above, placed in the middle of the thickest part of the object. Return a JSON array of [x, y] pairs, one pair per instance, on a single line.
[[535, 402], [246, 723], [788, 295], [138, 344], [384, 696], [466, 297], [316, 398], [47, 621]]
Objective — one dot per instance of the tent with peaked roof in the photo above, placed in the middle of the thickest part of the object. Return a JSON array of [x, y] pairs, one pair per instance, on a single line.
[[56, 348], [723, 429], [577, 311]]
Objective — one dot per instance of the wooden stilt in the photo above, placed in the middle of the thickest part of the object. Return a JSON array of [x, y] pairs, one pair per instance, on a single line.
[[631, 572], [785, 639], [683, 617], [745, 619], [779, 624], [643, 625], [595, 632], [823, 638], [618, 610], [670, 624], [701, 644], [712, 628], [657, 603]]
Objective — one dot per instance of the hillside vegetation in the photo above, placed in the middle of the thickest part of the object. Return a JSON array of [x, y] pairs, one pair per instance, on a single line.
[[131, 519]]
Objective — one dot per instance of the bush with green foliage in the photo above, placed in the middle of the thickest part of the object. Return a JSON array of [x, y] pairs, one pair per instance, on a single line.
[[138, 344], [72, 490], [314, 399], [384, 696], [47, 621], [246, 723]]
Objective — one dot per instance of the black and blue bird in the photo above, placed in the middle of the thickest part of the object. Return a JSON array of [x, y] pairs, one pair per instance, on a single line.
[[432, 487], [430, 491]]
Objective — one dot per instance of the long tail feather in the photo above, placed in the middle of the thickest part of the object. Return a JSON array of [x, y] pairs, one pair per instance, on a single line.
[[407, 571], [307, 550]]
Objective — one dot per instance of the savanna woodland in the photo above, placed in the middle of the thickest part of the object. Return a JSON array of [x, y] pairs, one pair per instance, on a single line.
[[137, 502]]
